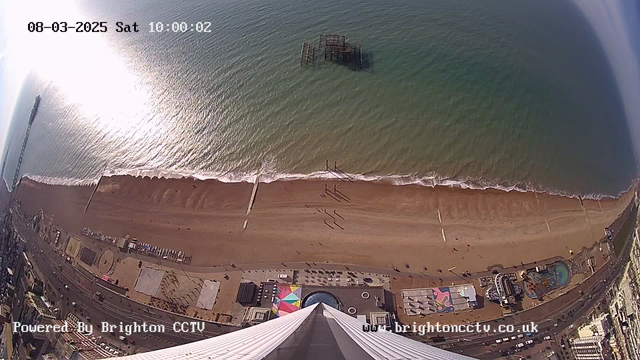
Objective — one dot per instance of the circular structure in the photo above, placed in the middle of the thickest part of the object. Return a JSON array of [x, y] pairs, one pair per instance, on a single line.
[[321, 297], [365, 295], [352, 311], [105, 263]]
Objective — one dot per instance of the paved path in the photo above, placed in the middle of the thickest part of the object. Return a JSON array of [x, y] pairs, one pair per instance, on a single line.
[[446, 276]]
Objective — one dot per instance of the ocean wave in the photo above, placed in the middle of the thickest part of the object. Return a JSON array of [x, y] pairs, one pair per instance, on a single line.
[[272, 176], [60, 181]]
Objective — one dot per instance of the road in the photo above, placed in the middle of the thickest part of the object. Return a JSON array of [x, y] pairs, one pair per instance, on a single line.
[[556, 315], [114, 308], [551, 317]]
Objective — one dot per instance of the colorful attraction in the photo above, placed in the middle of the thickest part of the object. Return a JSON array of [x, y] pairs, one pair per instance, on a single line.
[[442, 299], [538, 284], [287, 300]]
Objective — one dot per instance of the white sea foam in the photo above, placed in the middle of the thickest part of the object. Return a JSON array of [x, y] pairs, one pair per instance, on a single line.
[[268, 177], [60, 180]]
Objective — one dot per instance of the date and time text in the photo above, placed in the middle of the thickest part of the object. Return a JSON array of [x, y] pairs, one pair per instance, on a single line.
[[119, 26]]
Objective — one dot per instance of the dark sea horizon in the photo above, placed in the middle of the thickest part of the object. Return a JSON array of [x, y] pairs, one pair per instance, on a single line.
[[515, 95]]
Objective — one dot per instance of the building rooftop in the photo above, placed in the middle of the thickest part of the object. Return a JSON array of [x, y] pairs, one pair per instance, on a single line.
[[447, 299], [597, 326], [256, 314], [40, 305], [362, 299]]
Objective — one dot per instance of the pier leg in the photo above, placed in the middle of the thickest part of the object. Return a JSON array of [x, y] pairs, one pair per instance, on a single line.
[[252, 199], [92, 194]]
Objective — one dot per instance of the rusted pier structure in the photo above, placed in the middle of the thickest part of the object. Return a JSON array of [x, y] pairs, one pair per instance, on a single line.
[[333, 48], [308, 55], [336, 49]]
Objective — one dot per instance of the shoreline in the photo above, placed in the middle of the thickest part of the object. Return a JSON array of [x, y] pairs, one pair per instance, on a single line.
[[432, 181], [368, 223]]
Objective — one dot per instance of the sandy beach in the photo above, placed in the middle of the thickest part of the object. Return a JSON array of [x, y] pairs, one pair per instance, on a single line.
[[362, 223]]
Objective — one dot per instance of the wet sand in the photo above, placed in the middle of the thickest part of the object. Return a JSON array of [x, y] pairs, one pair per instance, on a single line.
[[365, 223]]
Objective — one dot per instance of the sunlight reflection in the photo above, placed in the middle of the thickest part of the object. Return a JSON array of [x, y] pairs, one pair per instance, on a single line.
[[82, 65]]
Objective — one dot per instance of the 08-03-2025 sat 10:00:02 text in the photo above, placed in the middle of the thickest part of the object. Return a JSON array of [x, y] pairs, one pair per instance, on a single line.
[[119, 26]]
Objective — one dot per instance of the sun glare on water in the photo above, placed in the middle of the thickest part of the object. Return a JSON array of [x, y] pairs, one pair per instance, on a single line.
[[82, 66]]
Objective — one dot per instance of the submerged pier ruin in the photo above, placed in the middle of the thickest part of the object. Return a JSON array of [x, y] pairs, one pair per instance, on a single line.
[[333, 48]]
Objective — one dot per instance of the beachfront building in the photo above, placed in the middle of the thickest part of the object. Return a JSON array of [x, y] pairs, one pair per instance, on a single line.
[[256, 315], [625, 308], [314, 332], [73, 344], [589, 348], [36, 310], [504, 290], [439, 300], [599, 326]]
